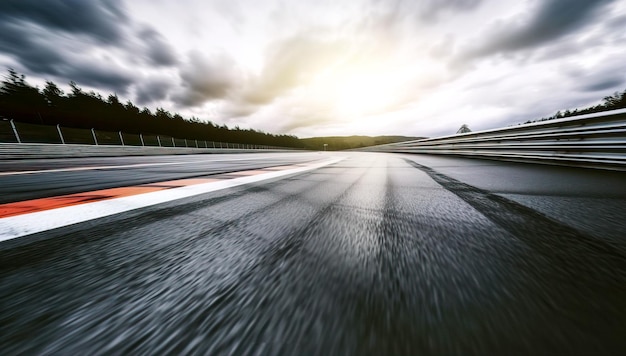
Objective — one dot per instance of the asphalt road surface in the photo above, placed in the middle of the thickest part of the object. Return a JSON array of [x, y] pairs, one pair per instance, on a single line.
[[375, 254]]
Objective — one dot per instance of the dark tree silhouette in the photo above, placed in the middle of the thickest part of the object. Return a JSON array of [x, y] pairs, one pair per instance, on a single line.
[[79, 109], [611, 102], [21, 101]]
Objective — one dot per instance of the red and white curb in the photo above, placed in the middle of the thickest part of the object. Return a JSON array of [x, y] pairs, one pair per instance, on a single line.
[[29, 217]]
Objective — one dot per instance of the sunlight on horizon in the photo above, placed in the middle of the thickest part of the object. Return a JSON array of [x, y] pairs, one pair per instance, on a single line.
[[329, 68]]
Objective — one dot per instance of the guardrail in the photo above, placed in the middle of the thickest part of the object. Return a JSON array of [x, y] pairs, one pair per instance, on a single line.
[[18, 132], [22, 140], [595, 140]]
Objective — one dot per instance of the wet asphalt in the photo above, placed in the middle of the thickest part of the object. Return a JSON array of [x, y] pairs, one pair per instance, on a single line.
[[377, 254]]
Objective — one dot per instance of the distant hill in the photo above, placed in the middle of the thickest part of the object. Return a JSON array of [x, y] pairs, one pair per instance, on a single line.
[[336, 143]]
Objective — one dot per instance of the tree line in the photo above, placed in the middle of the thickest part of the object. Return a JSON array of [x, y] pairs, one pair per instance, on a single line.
[[611, 102], [23, 102]]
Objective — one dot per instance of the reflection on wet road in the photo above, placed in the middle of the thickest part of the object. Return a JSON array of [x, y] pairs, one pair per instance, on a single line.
[[376, 254]]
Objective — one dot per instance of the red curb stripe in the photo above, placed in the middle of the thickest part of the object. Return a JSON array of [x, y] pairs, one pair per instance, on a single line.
[[35, 205]]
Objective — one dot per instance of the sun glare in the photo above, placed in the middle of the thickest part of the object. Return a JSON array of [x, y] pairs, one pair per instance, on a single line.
[[354, 90], [362, 95], [357, 92]]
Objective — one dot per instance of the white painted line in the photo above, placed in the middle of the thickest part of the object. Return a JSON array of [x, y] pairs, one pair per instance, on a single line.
[[136, 165], [26, 224]]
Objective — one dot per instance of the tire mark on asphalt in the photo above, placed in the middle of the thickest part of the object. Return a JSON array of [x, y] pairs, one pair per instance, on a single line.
[[223, 298], [584, 277], [549, 237], [45, 245], [232, 301]]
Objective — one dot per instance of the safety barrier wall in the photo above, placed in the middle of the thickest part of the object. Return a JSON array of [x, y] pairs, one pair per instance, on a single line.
[[21, 140], [594, 140]]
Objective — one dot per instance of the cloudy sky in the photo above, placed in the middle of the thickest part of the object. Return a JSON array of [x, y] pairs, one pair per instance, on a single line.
[[328, 67]]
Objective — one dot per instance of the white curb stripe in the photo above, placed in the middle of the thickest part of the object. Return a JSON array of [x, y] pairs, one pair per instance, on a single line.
[[136, 165], [26, 224]]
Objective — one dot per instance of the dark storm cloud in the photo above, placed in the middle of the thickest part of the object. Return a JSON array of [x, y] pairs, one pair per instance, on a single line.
[[206, 78], [97, 19], [605, 84], [552, 20], [157, 51], [152, 90], [38, 54], [605, 76], [56, 37], [390, 13], [34, 52], [432, 9], [99, 75]]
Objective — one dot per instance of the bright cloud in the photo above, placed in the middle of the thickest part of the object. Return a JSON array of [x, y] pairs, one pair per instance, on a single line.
[[326, 67]]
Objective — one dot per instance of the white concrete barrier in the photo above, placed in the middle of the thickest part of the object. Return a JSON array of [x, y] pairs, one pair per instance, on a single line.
[[43, 150]]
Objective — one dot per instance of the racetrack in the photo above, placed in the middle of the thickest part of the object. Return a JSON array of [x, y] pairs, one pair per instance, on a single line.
[[373, 254]]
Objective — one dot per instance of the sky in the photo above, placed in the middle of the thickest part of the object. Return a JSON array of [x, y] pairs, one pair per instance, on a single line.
[[322, 68]]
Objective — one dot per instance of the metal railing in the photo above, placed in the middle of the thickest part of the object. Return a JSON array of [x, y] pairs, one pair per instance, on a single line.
[[595, 140], [21, 133]]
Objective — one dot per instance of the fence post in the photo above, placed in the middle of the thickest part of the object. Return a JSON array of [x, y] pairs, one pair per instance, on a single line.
[[186, 142], [173, 143], [60, 134], [17, 137], [141, 138], [95, 140], [158, 139], [213, 144], [196, 143], [220, 145], [121, 138], [205, 145]]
